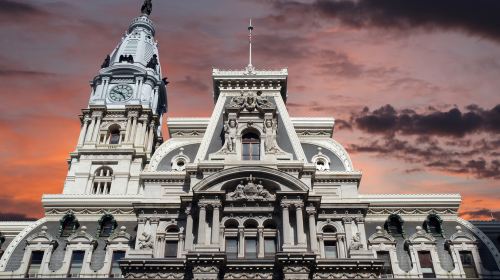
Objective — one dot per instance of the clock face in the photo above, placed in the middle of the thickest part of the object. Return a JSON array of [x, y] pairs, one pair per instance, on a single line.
[[121, 93]]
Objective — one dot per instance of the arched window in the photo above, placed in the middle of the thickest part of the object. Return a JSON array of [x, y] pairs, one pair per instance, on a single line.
[[107, 225], [330, 242], [171, 241], [394, 225], [102, 180], [69, 224], [114, 134], [433, 225], [270, 242], [231, 238], [250, 146]]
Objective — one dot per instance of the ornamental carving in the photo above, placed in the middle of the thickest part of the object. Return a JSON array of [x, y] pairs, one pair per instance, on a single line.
[[251, 191], [250, 101]]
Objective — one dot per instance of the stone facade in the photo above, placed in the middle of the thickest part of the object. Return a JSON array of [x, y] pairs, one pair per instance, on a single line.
[[249, 193]]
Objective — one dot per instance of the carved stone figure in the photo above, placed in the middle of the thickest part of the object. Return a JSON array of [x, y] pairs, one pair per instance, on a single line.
[[250, 101], [106, 62], [250, 191], [145, 241], [270, 144], [356, 242], [147, 7], [153, 62], [262, 102], [230, 129]]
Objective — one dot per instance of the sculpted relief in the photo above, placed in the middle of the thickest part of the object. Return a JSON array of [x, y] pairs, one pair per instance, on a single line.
[[251, 101], [250, 191]]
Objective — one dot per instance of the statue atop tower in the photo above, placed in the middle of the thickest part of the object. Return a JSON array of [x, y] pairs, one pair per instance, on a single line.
[[147, 7]]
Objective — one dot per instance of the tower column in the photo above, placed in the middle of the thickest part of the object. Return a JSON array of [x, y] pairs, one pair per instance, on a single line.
[[127, 129], [96, 129], [215, 223], [189, 230], [311, 211], [202, 236], [83, 131], [261, 242], [132, 129], [286, 224], [90, 130], [241, 243], [151, 136], [301, 236], [139, 134]]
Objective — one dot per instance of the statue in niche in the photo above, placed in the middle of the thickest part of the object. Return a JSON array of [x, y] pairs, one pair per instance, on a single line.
[[106, 62], [147, 7], [230, 129], [270, 144], [153, 62], [145, 241], [356, 242]]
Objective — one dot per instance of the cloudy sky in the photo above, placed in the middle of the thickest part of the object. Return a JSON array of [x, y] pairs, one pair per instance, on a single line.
[[413, 85]]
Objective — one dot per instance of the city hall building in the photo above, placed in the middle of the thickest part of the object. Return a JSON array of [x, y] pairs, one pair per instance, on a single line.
[[249, 193]]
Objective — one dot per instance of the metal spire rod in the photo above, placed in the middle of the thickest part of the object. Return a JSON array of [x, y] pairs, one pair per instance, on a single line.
[[250, 28]]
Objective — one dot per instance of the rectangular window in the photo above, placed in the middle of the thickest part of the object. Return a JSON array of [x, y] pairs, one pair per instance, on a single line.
[[251, 248], [331, 250], [426, 264], [232, 248], [387, 268], [171, 249], [269, 247], [255, 151], [468, 264], [35, 262], [76, 263], [115, 266]]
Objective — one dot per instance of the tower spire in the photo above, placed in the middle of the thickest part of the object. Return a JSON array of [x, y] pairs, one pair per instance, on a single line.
[[250, 67]]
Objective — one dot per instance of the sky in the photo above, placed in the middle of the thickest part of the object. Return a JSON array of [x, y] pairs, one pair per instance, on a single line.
[[413, 85]]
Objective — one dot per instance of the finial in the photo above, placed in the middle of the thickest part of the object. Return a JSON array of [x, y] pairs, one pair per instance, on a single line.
[[147, 7], [250, 28]]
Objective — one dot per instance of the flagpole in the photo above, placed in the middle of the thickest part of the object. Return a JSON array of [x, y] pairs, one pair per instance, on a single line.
[[250, 28]]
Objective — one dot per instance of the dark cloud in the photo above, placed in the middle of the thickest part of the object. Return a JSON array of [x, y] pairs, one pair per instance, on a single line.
[[481, 214], [454, 123], [192, 84], [9, 73], [10, 8], [15, 217], [431, 154], [477, 17]]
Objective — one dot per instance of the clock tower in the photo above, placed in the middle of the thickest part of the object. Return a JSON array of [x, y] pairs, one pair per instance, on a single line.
[[121, 127]]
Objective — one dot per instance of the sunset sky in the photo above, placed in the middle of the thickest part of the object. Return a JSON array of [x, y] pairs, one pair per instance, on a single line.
[[414, 86]]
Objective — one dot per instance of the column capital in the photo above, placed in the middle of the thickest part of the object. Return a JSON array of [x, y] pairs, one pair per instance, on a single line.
[[311, 210], [347, 220], [202, 204], [298, 204], [187, 211], [285, 204], [360, 219]]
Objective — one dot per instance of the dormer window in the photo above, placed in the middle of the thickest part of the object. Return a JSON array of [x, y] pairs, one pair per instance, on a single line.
[[433, 225], [394, 225], [69, 224], [250, 146], [107, 225]]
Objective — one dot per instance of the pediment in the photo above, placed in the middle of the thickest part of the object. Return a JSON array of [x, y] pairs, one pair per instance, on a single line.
[[271, 180]]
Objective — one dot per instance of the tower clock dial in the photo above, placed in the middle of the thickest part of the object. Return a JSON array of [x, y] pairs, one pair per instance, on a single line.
[[121, 93]]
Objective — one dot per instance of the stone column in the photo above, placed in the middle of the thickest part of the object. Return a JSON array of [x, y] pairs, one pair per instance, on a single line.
[[132, 129], [348, 231], [151, 136], [241, 242], [96, 129], [311, 211], [127, 129], [180, 245], [261, 242], [189, 229], [202, 236], [321, 246], [286, 224], [138, 134], [301, 236], [362, 232], [83, 131], [215, 223], [341, 246], [90, 131]]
